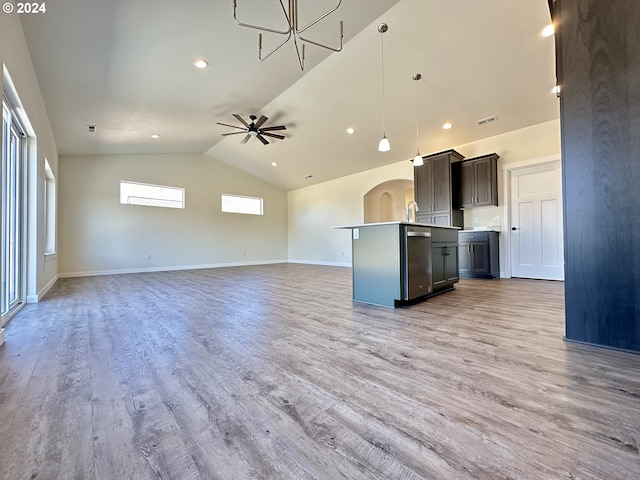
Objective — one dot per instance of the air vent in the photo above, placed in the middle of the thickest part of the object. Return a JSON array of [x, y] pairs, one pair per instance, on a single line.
[[91, 129], [483, 121]]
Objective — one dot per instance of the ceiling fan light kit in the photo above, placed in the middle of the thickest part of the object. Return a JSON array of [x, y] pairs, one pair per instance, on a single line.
[[294, 31], [254, 129]]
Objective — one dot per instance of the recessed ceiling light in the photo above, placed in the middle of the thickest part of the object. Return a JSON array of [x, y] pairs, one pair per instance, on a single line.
[[351, 130], [447, 126], [547, 31], [274, 164], [201, 63], [155, 136]]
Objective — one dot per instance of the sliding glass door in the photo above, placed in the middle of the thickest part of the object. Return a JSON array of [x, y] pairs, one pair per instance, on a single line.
[[13, 208]]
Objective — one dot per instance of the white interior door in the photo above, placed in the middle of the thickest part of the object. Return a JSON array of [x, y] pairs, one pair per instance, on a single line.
[[536, 222]]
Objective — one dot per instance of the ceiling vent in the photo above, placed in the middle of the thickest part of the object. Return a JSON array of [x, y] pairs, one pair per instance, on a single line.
[[484, 121], [91, 129]]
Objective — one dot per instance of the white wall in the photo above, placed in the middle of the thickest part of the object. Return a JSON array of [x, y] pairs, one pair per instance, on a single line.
[[15, 58], [314, 210], [100, 235], [392, 196], [537, 141]]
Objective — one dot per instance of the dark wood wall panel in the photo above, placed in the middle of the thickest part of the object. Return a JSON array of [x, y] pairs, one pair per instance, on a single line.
[[598, 60]]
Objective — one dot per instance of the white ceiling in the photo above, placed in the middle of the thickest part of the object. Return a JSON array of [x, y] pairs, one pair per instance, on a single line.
[[126, 66]]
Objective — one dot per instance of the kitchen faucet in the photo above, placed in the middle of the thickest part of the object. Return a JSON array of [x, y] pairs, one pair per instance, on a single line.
[[415, 211]]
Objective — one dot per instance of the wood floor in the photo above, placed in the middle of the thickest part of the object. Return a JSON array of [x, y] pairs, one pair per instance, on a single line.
[[272, 372]]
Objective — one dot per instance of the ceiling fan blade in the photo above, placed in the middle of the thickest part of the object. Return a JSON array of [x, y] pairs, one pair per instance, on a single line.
[[232, 133], [269, 129], [267, 134], [246, 139], [241, 120], [262, 139], [232, 126], [260, 121]]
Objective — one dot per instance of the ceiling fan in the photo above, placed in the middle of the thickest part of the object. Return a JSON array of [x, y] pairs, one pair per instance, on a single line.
[[254, 129]]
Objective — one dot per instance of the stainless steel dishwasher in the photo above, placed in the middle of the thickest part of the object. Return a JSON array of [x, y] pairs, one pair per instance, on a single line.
[[416, 265]]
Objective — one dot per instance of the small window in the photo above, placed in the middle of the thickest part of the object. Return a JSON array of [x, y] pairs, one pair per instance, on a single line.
[[240, 204], [49, 208], [151, 195]]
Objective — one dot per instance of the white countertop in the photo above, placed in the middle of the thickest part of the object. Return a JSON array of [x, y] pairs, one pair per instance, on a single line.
[[398, 222], [482, 229]]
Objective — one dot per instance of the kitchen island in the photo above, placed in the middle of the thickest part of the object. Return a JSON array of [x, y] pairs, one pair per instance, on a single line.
[[399, 263]]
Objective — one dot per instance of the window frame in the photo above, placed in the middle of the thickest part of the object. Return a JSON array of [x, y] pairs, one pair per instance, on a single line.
[[14, 211], [50, 210], [239, 211], [181, 203]]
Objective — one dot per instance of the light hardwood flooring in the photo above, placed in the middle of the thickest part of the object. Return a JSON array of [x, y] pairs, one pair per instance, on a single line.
[[273, 372]]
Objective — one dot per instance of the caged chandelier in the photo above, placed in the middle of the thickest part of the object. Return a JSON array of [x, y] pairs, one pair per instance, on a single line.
[[294, 31]]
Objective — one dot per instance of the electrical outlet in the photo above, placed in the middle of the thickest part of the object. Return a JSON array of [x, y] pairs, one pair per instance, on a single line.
[[475, 220], [497, 219], [148, 256]]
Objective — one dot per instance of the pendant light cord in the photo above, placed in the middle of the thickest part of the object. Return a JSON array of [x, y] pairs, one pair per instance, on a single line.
[[417, 128], [383, 103]]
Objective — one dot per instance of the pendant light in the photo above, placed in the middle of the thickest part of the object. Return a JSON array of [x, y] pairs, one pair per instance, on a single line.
[[384, 145], [417, 161]]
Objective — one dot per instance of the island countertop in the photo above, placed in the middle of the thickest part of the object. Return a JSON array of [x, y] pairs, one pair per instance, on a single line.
[[397, 222]]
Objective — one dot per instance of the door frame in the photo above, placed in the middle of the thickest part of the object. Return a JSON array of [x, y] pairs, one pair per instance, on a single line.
[[507, 172]]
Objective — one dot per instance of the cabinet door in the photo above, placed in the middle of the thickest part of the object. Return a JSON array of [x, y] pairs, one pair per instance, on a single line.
[[451, 265], [424, 218], [480, 258], [423, 186], [464, 258], [438, 267], [443, 219], [441, 176], [467, 184], [485, 183]]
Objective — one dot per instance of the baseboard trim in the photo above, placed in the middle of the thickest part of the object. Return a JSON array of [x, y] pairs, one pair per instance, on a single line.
[[597, 345], [125, 271], [326, 264], [40, 295]]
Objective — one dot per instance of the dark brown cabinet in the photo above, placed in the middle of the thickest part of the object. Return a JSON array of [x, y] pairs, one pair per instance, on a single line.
[[479, 181], [436, 189], [478, 254], [444, 258]]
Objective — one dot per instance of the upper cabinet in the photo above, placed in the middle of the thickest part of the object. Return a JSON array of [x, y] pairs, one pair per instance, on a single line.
[[436, 189], [479, 181]]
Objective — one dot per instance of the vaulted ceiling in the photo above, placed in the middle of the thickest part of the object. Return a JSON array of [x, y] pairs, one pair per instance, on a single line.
[[126, 66]]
